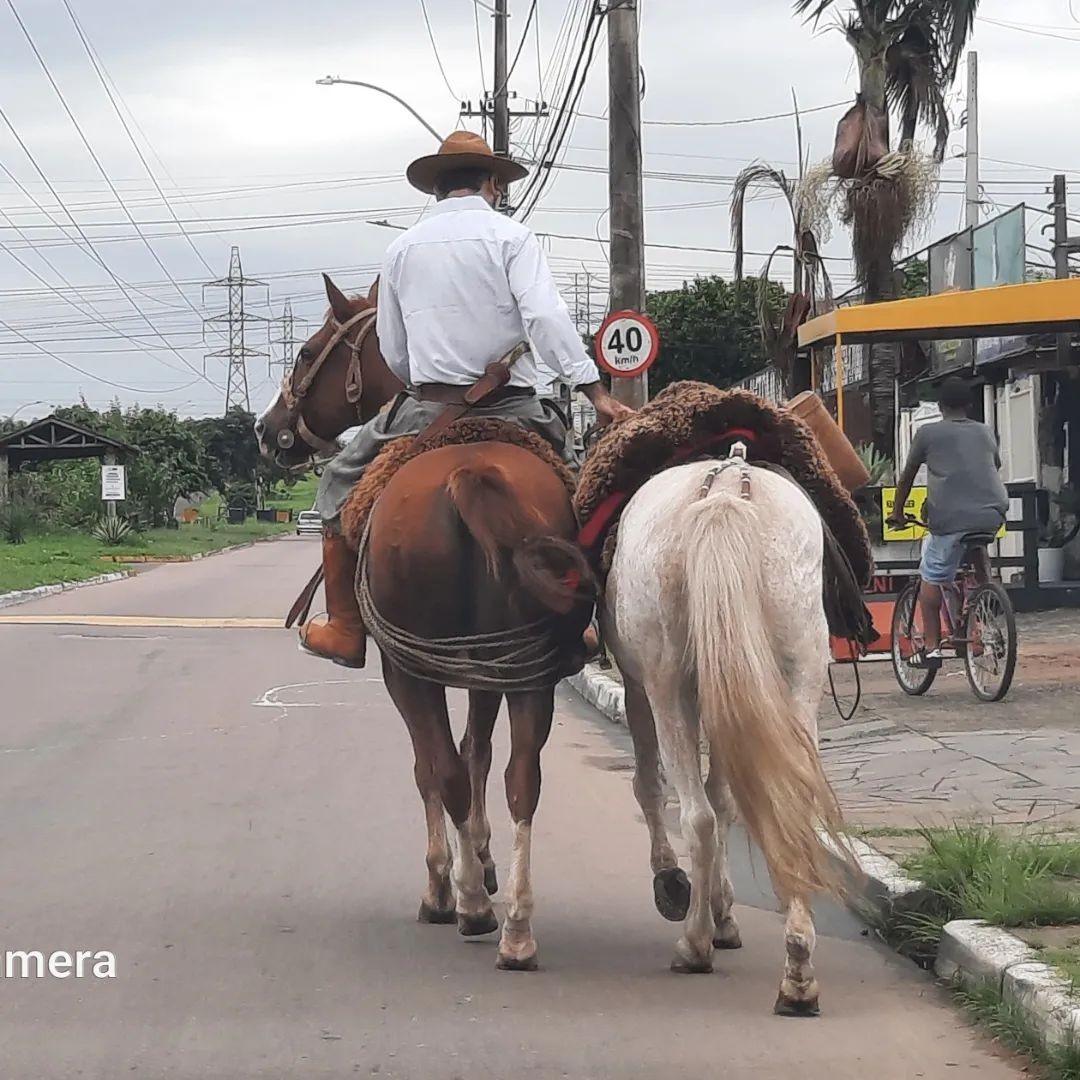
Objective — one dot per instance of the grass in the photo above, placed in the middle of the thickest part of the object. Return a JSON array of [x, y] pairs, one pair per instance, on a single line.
[[50, 558], [1010, 1026], [1067, 961], [979, 873]]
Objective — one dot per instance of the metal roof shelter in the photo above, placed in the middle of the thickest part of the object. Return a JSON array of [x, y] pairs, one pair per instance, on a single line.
[[1037, 307], [54, 439]]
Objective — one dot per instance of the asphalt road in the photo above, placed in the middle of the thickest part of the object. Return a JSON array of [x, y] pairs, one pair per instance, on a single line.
[[237, 823]]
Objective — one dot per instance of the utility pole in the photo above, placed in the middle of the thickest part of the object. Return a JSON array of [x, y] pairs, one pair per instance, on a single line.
[[624, 178], [501, 130], [235, 322], [495, 104], [971, 155], [1063, 245]]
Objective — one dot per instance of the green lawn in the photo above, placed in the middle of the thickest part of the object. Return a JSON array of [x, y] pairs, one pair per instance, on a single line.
[[49, 558]]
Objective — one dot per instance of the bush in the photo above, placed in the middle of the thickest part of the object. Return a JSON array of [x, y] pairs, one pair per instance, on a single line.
[[112, 530], [17, 519]]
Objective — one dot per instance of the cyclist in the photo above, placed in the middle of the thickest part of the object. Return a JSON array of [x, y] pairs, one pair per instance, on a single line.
[[966, 495]]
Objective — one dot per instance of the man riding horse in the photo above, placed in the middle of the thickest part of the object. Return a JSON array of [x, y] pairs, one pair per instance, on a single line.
[[459, 290]]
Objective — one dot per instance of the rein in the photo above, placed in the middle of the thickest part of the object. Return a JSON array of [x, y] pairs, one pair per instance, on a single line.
[[293, 393]]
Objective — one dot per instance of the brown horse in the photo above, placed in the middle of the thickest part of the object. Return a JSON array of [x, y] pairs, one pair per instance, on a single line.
[[454, 552], [334, 384], [470, 551]]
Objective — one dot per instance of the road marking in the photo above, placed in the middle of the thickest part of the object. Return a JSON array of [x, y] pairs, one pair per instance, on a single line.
[[142, 620]]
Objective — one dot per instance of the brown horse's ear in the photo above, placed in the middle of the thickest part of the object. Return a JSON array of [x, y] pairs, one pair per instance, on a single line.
[[339, 302]]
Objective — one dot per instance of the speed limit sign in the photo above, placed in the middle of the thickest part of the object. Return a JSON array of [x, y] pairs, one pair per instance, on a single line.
[[626, 344]]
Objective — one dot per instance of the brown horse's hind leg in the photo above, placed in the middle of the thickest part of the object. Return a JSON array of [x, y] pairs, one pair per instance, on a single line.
[[423, 707], [530, 725], [476, 750]]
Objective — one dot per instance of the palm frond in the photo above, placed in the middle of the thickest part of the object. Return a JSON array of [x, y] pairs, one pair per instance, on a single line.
[[756, 174]]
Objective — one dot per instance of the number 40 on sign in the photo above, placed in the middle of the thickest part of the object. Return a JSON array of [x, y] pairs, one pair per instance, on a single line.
[[626, 344]]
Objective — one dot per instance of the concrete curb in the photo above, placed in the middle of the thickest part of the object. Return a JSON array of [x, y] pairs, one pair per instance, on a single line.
[[971, 953], [22, 596], [981, 957]]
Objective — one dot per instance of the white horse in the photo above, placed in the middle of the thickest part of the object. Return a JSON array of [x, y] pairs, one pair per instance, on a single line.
[[714, 612]]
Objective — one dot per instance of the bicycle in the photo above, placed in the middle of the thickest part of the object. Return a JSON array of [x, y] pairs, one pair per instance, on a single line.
[[979, 628]]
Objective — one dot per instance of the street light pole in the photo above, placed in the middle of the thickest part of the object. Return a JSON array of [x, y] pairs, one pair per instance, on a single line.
[[334, 80], [28, 405]]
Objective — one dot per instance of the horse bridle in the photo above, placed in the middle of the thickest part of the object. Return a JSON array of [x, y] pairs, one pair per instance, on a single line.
[[293, 393]]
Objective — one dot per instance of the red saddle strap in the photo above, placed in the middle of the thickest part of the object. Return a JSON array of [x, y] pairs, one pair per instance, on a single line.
[[594, 530]]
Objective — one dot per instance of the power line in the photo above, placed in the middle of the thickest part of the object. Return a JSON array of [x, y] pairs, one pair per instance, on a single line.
[[435, 50], [90, 150], [127, 131], [521, 45], [59, 201], [729, 123], [90, 374], [542, 176]]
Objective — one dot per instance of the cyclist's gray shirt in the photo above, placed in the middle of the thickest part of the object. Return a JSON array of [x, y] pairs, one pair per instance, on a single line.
[[965, 489]]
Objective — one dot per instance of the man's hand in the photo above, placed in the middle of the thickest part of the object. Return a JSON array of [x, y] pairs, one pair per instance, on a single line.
[[895, 521], [608, 410]]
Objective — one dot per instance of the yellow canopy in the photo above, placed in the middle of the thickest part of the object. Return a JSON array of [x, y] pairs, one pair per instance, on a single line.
[[1003, 311]]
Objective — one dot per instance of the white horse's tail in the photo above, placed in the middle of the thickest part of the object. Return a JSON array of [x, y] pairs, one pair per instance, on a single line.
[[755, 732]]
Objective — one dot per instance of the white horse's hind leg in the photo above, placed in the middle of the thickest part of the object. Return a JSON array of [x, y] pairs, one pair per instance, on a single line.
[[799, 988], [677, 732], [726, 934], [798, 994], [671, 887]]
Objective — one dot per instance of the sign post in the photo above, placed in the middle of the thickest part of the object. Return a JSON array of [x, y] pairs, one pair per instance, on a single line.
[[627, 344], [113, 487]]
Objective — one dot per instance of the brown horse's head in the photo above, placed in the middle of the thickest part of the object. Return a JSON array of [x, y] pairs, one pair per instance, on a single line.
[[331, 387]]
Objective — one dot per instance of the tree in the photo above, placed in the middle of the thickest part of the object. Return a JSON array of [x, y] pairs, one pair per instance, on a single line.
[[908, 53], [812, 289], [709, 331]]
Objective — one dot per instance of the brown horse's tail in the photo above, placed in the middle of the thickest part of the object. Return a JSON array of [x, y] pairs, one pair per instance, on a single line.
[[553, 570]]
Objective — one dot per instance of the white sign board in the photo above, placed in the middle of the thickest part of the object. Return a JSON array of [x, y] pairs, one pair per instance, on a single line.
[[627, 344], [113, 483]]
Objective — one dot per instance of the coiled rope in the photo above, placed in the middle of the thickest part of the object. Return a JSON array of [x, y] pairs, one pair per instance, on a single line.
[[522, 658]]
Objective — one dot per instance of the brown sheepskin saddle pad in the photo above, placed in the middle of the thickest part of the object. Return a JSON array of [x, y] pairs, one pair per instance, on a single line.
[[379, 473], [691, 420]]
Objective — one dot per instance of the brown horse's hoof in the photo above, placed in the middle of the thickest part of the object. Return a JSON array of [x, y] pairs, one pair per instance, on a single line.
[[491, 880], [435, 916], [477, 925], [671, 893]]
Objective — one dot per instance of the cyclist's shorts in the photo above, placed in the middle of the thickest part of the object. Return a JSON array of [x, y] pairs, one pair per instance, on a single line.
[[941, 558]]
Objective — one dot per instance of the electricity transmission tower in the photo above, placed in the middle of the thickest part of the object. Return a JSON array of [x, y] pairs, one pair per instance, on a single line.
[[234, 323], [287, 343]]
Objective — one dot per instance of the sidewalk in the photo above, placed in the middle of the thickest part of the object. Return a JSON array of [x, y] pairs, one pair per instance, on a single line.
[[903, 762]]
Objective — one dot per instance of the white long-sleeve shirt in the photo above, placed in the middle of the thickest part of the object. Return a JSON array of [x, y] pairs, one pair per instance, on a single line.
[[461, 289]]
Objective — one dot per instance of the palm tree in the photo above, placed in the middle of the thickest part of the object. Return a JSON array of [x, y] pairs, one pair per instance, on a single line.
[[908, 54], [811, 286]]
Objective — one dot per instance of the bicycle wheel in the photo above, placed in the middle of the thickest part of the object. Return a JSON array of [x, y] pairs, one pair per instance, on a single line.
[[906, 641], [990, 656]]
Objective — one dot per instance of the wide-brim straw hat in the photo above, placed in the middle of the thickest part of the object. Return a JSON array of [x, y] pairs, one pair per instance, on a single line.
[[461, 150]]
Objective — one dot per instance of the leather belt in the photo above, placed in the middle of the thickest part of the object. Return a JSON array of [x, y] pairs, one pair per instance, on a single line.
[[445, 394]]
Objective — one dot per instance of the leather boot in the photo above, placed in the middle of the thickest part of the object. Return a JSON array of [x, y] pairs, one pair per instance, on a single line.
[[342, 638]]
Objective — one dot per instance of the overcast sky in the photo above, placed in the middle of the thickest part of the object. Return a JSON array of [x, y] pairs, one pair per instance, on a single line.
[[221, 98]]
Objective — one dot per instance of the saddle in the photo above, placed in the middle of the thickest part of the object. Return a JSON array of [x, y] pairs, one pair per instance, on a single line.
[[465, 430], [692, 420]]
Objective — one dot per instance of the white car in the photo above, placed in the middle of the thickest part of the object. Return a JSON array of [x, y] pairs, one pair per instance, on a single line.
[[308, 521]]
